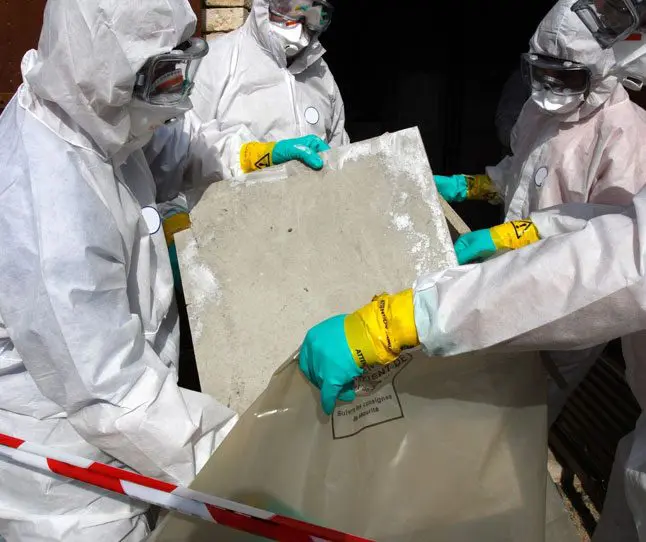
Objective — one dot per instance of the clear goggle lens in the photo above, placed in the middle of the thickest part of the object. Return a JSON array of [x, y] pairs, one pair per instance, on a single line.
[[563, 78], [316, 15], [610, 21], [168, 79], [172, 81]]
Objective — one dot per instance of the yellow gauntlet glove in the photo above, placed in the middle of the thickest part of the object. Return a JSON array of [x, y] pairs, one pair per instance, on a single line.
[[378, 332], [481, 187]]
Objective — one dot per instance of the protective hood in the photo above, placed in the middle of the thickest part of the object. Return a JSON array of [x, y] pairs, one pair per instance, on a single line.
[[561, 34], [260, 27], [88, 56]]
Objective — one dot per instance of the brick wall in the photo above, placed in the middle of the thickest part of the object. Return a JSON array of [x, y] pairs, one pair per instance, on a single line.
[[221, 16]]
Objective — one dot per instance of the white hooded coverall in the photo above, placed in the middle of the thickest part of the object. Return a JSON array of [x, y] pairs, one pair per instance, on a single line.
[[594, 154], [245, 91], [88, 325]]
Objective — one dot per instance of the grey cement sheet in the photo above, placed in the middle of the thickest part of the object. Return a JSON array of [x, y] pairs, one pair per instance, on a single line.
[[273, 253]]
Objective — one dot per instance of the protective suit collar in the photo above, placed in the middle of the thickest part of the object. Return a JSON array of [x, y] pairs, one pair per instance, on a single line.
[[87, 59], [561, 34], [259, 26]]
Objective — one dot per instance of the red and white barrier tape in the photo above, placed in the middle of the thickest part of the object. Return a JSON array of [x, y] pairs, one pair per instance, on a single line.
[[170, 496]]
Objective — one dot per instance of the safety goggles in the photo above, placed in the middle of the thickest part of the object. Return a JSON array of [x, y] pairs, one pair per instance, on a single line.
[[611, 21], [316, 15], [168, 78], [562, 77]]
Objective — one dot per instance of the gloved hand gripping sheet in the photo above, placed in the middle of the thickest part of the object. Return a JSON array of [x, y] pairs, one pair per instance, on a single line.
[[433, 449]]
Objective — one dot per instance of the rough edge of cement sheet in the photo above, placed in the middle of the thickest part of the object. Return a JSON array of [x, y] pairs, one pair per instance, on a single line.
[[457, 226], [289, 236]]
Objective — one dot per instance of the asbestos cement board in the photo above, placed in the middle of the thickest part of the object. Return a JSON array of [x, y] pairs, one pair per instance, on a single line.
[[272, 253]]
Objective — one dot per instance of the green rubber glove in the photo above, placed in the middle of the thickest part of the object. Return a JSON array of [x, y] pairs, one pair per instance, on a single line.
[[327, 362], [474, 246], [174, 265], [452, 188], [304, 149], [336, 351], [478, 245], [256, 155]]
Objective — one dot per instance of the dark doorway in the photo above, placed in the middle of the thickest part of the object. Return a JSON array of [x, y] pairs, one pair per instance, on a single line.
[[438, 65]]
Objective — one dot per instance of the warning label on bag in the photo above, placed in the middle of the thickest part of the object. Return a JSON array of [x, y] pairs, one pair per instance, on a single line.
[[377, 401]]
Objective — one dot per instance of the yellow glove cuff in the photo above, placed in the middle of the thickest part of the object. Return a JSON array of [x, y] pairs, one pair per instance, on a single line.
[[256, 155], [175, 224], [378, 332], [514, 235], [481, 187]]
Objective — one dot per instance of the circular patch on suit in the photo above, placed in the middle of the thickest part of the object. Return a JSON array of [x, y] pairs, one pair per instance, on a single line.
[[540, 176], [152, 219], [312, 115]]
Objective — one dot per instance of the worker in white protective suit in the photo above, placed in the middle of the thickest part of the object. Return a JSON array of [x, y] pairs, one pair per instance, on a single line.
[[267, 82], [88, 324], [578, 139], [578, 136]]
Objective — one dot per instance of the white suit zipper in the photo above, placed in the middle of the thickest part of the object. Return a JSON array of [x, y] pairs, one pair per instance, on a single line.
[[292, 94]]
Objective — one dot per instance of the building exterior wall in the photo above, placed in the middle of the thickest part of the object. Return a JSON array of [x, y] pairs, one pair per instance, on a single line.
[[21, 27], [221, 16]]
